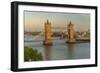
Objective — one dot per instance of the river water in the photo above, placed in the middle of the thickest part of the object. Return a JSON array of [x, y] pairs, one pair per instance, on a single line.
[[59, 50]]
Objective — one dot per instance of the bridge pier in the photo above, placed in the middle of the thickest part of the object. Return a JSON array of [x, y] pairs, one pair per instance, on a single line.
[[48, 34], [71, 33]]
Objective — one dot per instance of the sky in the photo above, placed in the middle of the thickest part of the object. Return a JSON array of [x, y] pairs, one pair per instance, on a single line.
[[34, 21]]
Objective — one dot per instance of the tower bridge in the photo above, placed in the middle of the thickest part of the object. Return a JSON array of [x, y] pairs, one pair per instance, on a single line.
[[48, 33]]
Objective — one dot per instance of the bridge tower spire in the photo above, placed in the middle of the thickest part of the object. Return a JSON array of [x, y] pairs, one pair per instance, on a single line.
[[71, 33], [48, 33]]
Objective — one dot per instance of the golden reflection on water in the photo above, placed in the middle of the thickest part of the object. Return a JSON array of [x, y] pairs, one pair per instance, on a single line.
[[47, 51], [71, 50]]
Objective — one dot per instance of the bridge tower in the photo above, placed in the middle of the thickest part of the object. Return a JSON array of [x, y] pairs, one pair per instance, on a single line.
[[48, 33], [71, 33]]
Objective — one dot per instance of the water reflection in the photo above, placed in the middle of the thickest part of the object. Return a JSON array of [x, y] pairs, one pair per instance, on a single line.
[[48, 49], [62, 51], [47, 52], [71, 48]]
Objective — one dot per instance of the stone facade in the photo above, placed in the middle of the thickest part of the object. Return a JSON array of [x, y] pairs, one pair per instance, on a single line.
[[71, 33], [48, 33]]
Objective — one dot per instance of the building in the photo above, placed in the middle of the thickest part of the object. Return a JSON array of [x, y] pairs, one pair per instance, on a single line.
[[48, 33], [71, 33]]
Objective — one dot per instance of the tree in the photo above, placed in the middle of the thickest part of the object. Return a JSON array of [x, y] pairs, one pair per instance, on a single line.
[[31, 54]]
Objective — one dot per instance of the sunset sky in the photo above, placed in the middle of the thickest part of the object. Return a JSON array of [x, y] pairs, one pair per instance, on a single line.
[[34, 21]]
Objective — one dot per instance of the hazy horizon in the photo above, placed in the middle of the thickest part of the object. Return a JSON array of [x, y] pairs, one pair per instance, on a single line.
[[34, 21]]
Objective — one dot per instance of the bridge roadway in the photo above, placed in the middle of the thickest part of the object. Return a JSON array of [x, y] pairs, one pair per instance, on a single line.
[[59, 39], [39, 40]]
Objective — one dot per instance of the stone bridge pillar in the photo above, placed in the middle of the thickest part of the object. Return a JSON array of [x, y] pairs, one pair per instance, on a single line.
[[48, 34]]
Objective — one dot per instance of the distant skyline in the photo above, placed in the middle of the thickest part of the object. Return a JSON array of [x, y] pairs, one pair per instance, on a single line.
[[34, 21]]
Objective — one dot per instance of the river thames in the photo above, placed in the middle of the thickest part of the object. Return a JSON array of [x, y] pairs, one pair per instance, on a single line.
[[59, 50]]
